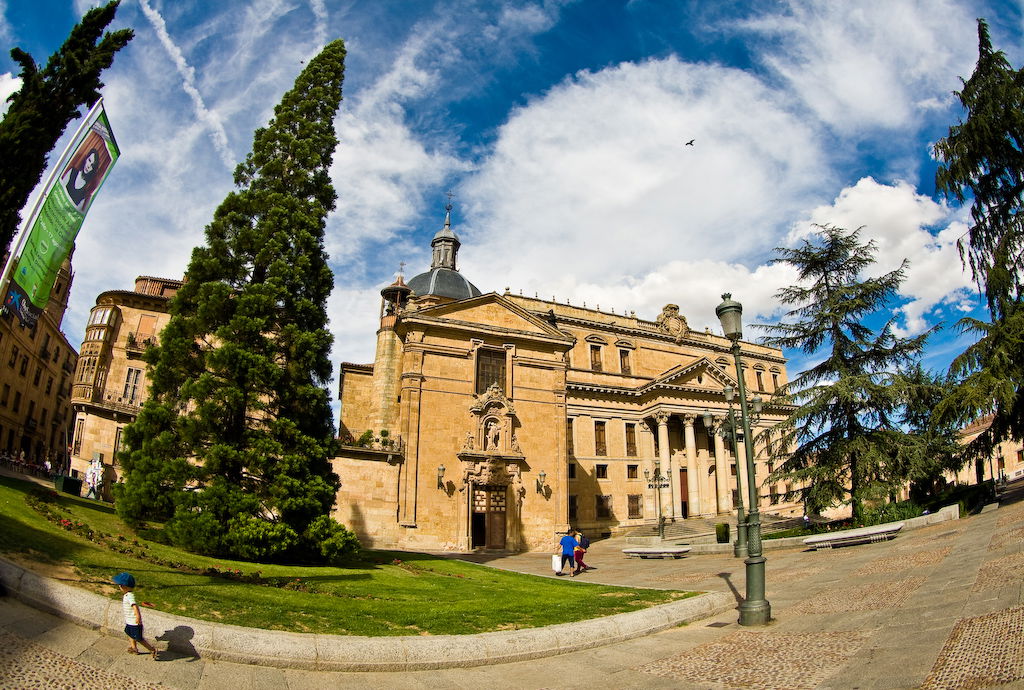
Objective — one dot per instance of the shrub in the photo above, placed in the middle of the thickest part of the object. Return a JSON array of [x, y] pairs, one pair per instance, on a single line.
[[331, 540], [722, 532]]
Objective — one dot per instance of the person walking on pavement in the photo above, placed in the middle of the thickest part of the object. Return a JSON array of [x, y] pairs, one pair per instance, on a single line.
[[568, 545], [582, 544]]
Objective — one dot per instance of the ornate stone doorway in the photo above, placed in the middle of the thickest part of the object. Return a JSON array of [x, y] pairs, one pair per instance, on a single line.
[[488, 520]]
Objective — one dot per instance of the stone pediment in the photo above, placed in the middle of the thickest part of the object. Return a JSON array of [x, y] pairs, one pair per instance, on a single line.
[[701, 373], [490, 311]]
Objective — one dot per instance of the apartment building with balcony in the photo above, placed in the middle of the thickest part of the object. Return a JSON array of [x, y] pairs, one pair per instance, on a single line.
[[109, 384]]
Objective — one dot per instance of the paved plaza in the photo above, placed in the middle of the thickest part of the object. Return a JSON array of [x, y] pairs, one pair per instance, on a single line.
[[938, 607]]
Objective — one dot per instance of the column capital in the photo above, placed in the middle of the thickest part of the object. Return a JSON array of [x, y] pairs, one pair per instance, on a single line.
[[689, 418], [661, 418]]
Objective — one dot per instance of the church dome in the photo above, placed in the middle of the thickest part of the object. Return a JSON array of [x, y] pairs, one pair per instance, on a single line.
[[443, 279], [443, 282]]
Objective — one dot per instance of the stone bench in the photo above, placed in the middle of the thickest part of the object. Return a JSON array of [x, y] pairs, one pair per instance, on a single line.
[[848, 537], [656, 551]]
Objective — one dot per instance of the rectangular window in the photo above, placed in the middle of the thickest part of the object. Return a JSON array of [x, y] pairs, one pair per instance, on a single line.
[[23, 369], [572, 470], [636, 506], [76, 447], [14, 356], [601, 471], [42, 417], [118, 442], [5, 396], [38, 376], [604, 506], [31, 409], [632, 471], [600, 445], [49, 384], [760, 380], [572, 507], [569, 444], [774, 495], [17, 401], [624, 366], [131, 384], [775, 381], [99, 316], [490, 369], [631, 440], [595, 358]]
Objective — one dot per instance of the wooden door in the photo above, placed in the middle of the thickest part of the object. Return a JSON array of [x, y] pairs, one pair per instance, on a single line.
[[683, 494]]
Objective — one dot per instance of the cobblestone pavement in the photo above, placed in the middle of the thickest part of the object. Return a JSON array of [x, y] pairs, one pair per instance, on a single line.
[[939, 607]]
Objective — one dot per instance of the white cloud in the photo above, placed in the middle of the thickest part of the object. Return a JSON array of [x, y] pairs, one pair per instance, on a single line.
[[9, 84], [874, 64], [902, 223], [591, 193]]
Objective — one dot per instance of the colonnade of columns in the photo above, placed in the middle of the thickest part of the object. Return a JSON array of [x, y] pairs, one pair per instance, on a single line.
[[699, 498]]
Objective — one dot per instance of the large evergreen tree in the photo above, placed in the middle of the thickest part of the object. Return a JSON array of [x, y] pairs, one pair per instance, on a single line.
[[845, 428], [233, 445], [47, 101], [983, 159]]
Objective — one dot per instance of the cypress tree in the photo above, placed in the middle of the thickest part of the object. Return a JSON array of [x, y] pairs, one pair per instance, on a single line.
[[47, 101], [233, 445], [982, 158], [845, 428]]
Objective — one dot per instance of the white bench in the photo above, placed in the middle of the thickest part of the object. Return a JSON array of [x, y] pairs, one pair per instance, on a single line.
[[861, 535], [656, 551]]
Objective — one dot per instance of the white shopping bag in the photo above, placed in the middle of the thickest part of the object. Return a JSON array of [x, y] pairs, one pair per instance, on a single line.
[[556, 562]]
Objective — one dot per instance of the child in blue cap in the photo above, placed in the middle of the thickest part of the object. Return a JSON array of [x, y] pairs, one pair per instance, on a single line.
[[132, 614]]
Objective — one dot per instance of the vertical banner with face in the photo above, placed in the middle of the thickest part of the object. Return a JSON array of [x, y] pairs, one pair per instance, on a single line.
[[59, 216]]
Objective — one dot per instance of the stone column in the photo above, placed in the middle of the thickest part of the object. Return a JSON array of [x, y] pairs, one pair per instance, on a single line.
[[723, 480], [666, 465], [692, 472]]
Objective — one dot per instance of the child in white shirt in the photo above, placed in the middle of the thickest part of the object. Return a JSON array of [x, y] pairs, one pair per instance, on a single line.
[[132, 614]]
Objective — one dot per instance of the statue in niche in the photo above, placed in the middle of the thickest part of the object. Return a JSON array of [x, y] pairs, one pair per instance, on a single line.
[[491, 435], [469, 441], [515, 444]]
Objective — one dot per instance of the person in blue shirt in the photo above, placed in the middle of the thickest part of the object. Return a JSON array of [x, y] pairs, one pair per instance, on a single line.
[[568, 544]]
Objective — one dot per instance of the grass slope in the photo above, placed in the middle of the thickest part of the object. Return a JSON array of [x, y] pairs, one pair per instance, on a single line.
[[384, 593]]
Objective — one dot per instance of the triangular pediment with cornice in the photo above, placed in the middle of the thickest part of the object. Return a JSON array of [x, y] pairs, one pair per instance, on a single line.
[[700, 373], [490, 312]]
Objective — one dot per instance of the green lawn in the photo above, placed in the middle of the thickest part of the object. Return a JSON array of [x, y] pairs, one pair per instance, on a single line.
[[385, 593]]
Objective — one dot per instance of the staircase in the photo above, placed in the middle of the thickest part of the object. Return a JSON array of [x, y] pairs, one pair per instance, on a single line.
[[703, 528]]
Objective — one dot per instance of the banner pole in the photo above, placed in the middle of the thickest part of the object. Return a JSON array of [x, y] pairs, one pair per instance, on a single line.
[[5, 277]]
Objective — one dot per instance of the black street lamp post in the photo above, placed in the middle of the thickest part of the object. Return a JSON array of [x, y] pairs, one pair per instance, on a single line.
[[658, 478], [755, 609], [739, 547]]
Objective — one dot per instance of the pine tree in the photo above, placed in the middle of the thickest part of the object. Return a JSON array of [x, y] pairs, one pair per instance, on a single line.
[[931, 448], [47, 101], [233, 445], [983, 157], [845, 425]]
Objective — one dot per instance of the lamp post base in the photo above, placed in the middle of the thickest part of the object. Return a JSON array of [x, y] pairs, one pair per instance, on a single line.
[[755, 609]]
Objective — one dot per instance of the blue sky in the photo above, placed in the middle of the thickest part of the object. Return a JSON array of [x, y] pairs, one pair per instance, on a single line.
[[560, 128]]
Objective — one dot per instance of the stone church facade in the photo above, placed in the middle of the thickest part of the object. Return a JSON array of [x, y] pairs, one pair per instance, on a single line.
[[494, 421]]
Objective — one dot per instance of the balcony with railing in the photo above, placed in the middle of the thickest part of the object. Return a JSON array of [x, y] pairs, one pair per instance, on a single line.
[[368, 443], [111, 399], [139, 342]]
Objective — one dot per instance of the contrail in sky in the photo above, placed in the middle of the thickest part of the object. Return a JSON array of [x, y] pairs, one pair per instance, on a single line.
[[320, 30], [188, 76]]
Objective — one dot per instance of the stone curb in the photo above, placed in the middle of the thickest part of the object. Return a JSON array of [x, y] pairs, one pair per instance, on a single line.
[[311, 651]]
